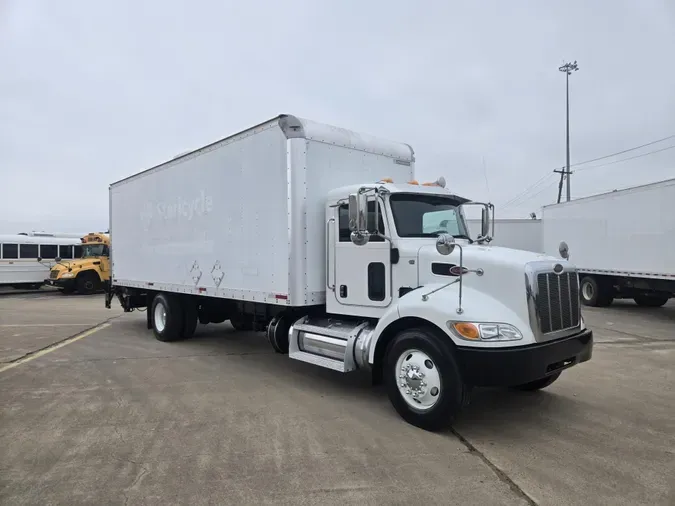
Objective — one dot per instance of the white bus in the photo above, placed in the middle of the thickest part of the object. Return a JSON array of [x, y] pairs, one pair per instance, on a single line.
[[19, 266], [69, 235]]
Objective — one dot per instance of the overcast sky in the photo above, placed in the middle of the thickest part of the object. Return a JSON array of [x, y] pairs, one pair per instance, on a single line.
[[91, 92]]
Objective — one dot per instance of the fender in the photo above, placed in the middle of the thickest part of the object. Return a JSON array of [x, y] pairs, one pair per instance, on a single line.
[[87, 270], [442, 306]]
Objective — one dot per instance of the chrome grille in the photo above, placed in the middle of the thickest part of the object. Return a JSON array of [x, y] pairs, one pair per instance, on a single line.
[[557, 302], [54, 274]]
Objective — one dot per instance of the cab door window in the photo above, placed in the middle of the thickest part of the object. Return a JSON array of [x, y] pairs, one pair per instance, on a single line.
[[343, 225]]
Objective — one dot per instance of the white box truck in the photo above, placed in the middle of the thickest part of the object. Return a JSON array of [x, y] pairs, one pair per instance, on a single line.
[[622, 242], [321, 238], [525, 234]]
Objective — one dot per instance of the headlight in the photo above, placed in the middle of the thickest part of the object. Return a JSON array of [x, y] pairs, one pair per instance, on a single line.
[[67, 275], [471, 331]]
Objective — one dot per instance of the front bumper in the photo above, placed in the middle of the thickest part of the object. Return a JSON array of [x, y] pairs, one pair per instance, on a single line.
[[61, 283], [490, 367]]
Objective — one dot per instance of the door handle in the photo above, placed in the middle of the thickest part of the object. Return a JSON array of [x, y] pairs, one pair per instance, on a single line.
[[328, 245]]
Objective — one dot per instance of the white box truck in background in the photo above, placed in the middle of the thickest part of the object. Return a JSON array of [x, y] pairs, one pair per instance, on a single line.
[[319, 237], [622, 242], [514, 233]]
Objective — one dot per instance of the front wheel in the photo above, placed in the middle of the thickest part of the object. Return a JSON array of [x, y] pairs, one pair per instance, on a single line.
[[87, 283], [423, 379]]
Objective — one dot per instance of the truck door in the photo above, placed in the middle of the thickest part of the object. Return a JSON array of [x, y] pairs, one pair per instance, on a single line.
[[362, 273]]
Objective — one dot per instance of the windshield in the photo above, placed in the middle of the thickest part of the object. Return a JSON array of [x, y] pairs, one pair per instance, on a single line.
[[427, 216], [94, 250]]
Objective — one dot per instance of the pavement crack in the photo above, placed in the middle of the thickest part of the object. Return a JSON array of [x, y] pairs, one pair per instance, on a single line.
[[503, 477], [60, 341], [120, 436], [144, 472]]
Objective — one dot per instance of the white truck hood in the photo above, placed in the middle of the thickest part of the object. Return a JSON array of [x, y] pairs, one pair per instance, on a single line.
[[503, 278]]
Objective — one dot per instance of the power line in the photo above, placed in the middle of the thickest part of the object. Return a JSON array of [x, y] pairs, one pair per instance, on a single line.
[[622, 152], [541, 190], [629, 158], [527, 190], [543, 178]]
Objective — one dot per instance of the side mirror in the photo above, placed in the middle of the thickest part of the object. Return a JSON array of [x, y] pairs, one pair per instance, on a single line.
[[58, 259], [445, 244], [358, 208], [358, 214], [484, 222], [564, 250]]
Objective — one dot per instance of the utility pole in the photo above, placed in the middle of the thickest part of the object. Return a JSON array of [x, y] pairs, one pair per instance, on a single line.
[[568, 68], [560, 184]]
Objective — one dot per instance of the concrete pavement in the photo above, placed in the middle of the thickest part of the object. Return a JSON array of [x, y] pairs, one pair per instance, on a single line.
[[120, 418]]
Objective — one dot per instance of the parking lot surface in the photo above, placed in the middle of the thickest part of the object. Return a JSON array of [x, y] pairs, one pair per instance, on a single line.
[[116, 417]]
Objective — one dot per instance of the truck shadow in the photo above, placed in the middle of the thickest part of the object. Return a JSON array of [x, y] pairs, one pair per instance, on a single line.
[[489, 412]]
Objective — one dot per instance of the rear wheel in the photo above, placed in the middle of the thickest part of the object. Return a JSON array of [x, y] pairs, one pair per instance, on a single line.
[[538, 384], [595, 293], [423, 379], [167, 317], [650, 300]]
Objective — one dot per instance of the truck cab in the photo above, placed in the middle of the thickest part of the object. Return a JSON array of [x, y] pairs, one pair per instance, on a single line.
[[87, 274], [433, 311]]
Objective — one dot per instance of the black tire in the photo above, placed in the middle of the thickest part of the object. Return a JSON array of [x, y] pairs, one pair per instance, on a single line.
[[68, 290], [650, 300], [88, 283], [594, 293], [242, 322], [172, 321], [189, 319], [538, 384], [453, 393], [277, 333]]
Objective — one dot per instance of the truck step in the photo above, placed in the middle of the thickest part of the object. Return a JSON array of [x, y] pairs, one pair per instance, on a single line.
[[330, 343], [325, 362]]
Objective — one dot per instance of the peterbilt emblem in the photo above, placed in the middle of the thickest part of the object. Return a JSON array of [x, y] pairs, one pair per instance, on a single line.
[[455, 270], [558, 268]]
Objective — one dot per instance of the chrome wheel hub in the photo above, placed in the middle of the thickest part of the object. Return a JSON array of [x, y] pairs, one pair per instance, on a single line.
[[418, 380]]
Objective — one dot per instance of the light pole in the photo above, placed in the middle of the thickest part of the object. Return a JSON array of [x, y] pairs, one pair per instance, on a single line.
[[568, 68]]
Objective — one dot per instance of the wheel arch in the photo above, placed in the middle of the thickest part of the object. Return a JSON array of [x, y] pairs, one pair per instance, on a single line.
[[88, 272], [386, 336]]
